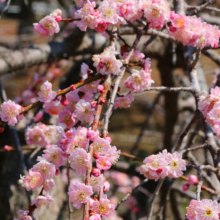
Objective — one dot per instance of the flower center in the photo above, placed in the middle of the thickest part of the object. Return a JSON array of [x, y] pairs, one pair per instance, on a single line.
[[173, 163], [208, 212], [98, 147], [54, 156], [67, 119], [86, 111], [155, 12], [103, 208], [43, 169], [82, 195], [137, 79], [155, 164]]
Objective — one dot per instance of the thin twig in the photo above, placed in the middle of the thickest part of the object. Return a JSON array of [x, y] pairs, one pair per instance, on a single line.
[[133, 190]]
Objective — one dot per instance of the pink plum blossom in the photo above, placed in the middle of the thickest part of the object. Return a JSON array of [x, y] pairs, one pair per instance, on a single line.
[[9, 112], [40, 29], [139, 80], [48, 184], [106, 62], [53, 107], [46, 169], [124, 101], [72, 98], [79, 159], [191, 209], [35, 136], [55, 155], [85, 71], [79, 194], [101, 146], [84, 111], [50, 24], [176, 164], [90, 88], [42, 200], [97, 182], [207, 210], [67, 119], [104, 163], [92, 135], [103, 206], [32, 181], [46, 94], [23, 215]]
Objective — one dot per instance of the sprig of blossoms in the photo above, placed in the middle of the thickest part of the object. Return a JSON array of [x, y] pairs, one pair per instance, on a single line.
[[49, 24], [162, 165]]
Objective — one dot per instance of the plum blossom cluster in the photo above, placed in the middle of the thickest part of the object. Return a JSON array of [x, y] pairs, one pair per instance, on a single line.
[[43, 135], [49, 24], [205, 209], [209, 105], [191, 31], [111, 12], [162, 165]]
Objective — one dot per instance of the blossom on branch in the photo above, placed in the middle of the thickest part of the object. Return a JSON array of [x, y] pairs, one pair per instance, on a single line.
[[46, 94], [9, 112]]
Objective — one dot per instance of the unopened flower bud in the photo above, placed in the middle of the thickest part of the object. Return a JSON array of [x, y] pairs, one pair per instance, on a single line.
[[8, 148], [108, 139], [100, 88], [102, 101], [96, 155], [72, 87], [96, 172], [94, 104], [57, 172], [185, 187], [58, 18], [124, 48], [192, 180], [1, 129], [92, 135], [64, 100]]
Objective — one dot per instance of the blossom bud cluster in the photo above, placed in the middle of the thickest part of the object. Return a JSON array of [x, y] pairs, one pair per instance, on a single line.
[[191, 31], [204, 209], [209, 105], [162, 165], [49, 24]]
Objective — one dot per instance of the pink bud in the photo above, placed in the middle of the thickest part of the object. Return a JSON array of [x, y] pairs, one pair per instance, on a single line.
[[159, 170], [58, 18], [102, 101], [185, 187], [101, 64], [100, 88], [64, 100], [94, 104], [106, 186], [192, 180], [1, 129], [8, 148], [92, 135], [119, 88], [108, 139], [172, 29], [96, 155], [96, 172], [124, 48], [57, 172], [72, 87]]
